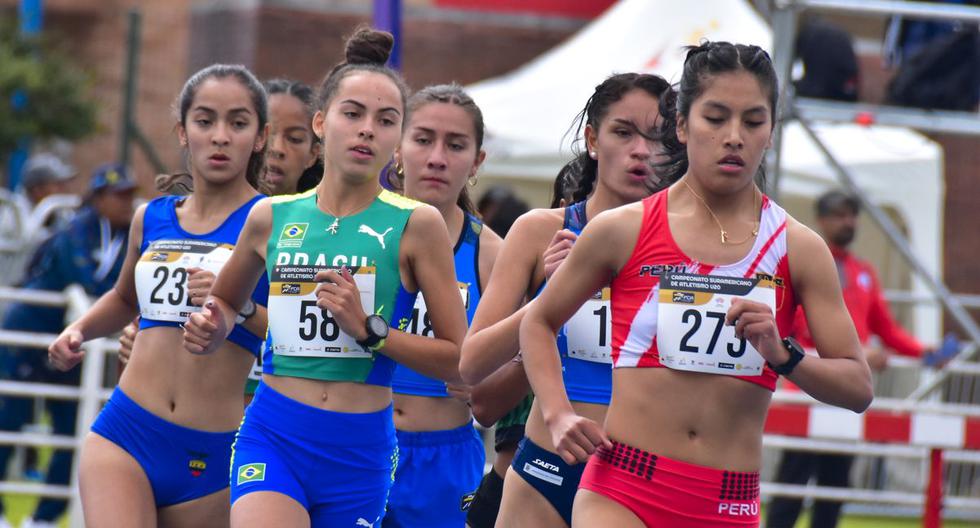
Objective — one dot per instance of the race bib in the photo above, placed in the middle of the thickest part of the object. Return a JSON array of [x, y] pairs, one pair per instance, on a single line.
[[588, 333], [298, 327], [162, 272], [691, 330], [256, 373], [420, 324]]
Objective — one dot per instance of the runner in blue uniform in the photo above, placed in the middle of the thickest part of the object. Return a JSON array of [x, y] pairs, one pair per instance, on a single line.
[[441, 455], [159, 451]]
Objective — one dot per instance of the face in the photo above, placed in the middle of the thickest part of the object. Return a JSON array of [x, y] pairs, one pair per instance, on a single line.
[[625, 156], [439, 153], [360, 126], [221, 131], [727, 132], [838, 226], [116, 206], [291, 147]]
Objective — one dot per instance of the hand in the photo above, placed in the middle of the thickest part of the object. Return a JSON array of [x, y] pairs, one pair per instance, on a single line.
[[576, 438], [877, 358], [66, 351], [199, 282], [756, 323], [460, 391], [126, 341], [338, 293], [559, 248], [205, 330]]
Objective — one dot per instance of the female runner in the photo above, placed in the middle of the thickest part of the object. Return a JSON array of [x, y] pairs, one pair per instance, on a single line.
[[159, 450], [705, 278], [317, 445], [619, 120]]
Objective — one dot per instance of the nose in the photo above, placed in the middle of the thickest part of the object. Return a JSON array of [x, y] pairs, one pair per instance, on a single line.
[[276, 150], [220, 136], [366, 132], [642, 148], [437, 157], [733, 135]]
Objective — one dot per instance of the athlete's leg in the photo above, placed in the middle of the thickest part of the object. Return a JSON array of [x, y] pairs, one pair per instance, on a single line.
[[261, 509], [592, 509], [113, 487], [204, 512], [833, 471], [795, 467], [522, 506]]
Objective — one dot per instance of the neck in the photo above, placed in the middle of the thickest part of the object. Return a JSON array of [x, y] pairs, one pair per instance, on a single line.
[[339, 195], [208, 197], [741, 204], [601, 200]]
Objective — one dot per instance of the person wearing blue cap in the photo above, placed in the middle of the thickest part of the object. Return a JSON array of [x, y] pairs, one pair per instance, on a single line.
[[89, 251]]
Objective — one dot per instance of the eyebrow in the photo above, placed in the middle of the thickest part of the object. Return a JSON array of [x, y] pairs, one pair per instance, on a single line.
[[362, 106], [239, 110], [720, 106], [450, 134]]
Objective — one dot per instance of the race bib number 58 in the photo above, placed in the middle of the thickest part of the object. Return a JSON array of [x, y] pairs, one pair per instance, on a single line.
[[299, 327], [691, 330]]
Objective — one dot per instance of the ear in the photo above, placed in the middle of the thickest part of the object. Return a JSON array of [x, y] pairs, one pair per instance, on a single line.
[[769, 143], [681, 129], [260, 139], [397, 156], [314, 154], [591, 141], [181, 135], [318, 118], [480, 158]]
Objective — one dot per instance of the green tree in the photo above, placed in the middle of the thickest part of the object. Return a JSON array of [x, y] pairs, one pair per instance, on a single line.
[[43, 94]]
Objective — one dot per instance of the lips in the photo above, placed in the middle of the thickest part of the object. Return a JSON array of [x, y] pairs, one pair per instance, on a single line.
[[362, 152], [639, 171], [732, 159], [219, 157], [274, 173]]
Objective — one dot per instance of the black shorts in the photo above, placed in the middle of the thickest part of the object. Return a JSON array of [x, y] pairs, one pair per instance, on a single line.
[[486, 504]]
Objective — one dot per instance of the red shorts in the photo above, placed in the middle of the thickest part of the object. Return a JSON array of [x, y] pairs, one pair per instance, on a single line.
[[669, 493]]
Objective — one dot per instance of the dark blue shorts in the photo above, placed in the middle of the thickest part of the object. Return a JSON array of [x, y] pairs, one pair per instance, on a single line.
[[437, 477], [339, 466], [549, 475], [181, 464]]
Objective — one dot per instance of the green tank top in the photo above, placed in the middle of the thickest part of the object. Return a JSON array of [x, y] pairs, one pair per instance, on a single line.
[[304, 341]]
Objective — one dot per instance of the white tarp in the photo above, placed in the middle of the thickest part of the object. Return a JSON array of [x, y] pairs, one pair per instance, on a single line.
[[528, 112]]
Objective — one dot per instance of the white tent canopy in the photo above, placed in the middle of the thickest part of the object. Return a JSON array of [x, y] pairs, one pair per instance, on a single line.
[[528, 113]]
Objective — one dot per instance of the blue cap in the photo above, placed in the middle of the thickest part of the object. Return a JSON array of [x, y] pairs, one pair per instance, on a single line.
[[111, 177]]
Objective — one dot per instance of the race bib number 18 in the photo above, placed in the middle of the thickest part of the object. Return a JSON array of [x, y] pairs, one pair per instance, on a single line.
[[420, 324], [299, 327], [691, 330]]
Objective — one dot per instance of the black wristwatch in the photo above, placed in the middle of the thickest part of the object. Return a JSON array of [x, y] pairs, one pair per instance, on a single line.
[[796, 355], [377, 332], [248, 310]]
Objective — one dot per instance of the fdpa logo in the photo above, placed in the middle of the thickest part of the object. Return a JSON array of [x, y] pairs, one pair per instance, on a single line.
[[289, 289]]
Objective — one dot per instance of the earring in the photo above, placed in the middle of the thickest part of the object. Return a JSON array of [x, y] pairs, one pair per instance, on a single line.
[[472, 181], [593, 155], [400, 170]]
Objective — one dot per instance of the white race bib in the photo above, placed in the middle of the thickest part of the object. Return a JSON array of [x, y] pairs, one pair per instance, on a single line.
[[589, 332], [691, 330], [420, 324], [298, 327], [161, 276], [256, 373]]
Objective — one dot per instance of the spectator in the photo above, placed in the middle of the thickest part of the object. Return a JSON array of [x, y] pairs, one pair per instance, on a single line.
[[44, 175], [499, 207], [837, 215], [89, 251], [829, 63]]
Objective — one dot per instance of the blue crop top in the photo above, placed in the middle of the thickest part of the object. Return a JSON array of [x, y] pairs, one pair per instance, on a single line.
[[167, 250], [467, 259]]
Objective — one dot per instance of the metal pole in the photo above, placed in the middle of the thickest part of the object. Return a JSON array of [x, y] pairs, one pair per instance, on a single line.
[[388, 16], [923, 10], [942, 293], [784, 25], [30, 14], [932, 515], [129, 95]]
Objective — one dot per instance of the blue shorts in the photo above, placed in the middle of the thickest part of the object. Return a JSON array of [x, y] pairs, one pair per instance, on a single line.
[[339, 466], [547, 473], [437, 477], [181, 464]]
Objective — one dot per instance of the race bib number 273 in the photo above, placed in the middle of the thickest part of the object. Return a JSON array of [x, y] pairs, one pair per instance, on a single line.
[[691, 330]]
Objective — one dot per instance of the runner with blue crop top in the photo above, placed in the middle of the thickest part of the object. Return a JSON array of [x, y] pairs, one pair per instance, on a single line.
[[441, 455], [317, 446], [160, 449], [618, 162]]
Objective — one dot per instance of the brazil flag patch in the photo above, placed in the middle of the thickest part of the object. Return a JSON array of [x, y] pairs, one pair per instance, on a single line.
[[251, 473]]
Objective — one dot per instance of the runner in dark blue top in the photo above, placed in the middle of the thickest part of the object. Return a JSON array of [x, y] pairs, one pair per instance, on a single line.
[[441, 456], [161, 447]]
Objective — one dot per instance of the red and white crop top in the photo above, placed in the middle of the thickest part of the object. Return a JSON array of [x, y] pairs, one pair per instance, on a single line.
[[635, 290]]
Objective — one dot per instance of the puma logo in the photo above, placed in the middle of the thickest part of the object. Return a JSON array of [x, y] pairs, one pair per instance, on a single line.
[[380, 236], [361, 521]]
